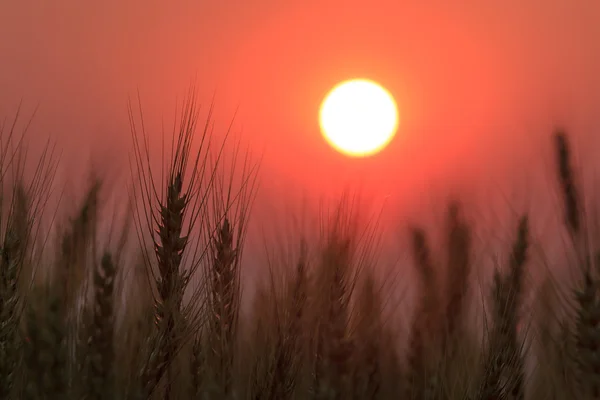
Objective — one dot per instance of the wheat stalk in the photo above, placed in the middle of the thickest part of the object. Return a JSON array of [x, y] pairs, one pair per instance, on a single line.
[[334, 349], [503, 369], [284, 370], [224, 297], [367, 337], [102, 340], [568, 186], [170, 218], [587, 333], [458, 273], [12, 259], [421, 375]]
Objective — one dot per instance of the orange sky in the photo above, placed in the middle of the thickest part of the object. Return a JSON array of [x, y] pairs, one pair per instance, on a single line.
[[479, 86]]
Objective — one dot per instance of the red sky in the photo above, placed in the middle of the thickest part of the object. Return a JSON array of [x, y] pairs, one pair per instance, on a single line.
[[480, 85]]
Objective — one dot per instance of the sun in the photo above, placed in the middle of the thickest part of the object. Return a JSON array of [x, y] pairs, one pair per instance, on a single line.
[[358, 117]]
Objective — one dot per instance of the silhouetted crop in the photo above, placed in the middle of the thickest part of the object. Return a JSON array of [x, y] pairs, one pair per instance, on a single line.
[[88, 320]]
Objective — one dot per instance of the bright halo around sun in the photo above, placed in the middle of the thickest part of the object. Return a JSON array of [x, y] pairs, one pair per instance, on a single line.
[[358, 117]]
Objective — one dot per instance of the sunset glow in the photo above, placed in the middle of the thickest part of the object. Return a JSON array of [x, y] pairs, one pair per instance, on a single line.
[[332, 199], [358, 117]]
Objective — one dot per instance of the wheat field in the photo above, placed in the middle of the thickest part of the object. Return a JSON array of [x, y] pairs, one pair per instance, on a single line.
[[155, 313]]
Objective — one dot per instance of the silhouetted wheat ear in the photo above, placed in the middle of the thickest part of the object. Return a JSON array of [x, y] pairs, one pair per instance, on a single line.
[[12, 254], [587, 336], [264, 343], [75, 245], [224, 299], [568, 185], [290, 333], [504, 371], [296, 329], [457, 273], [71, 267], [169, 248], [421, 372], [334, 348], [102, 346]]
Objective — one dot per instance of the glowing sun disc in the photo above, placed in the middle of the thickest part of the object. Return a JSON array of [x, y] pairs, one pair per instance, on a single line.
[[358, 117]]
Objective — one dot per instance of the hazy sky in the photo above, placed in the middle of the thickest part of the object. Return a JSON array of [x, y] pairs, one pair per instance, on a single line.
[[480, 85]]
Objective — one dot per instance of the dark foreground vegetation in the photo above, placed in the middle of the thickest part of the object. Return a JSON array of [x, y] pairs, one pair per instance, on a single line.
[[86, 318]]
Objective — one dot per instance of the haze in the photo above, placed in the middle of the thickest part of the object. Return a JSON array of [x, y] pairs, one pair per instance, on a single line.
[[480, 87]]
